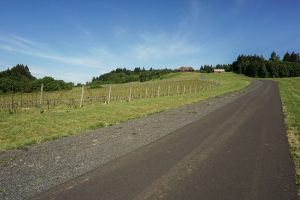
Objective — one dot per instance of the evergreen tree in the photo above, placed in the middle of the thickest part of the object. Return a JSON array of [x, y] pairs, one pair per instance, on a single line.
[[274, 56], [262, 71], [137, 70], [294, 57], [286, 57]]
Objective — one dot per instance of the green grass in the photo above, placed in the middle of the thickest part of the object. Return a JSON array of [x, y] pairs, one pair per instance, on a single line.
[[174, 84], [30, 127], [290, 95], [182, 76]]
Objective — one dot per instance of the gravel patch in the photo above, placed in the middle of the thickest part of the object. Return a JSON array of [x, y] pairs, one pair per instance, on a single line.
[[32, 170]]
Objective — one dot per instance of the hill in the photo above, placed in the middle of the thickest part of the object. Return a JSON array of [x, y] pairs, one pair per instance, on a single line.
[[20, 79], [123, 75]]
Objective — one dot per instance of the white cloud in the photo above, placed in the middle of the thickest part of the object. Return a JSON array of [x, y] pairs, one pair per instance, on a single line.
[[24, 41], [149, 48], [162, 46], [86, 33], [24, 46], [190, 20], [172, 44]]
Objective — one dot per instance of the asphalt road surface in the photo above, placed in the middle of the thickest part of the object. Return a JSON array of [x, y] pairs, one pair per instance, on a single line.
[[237, 152]]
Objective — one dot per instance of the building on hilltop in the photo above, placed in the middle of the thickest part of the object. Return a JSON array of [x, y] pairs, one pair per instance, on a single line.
[[219, 70], [186, 69]]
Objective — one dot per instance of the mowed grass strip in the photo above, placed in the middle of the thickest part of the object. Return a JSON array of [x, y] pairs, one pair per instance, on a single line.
[[30, 127], [290, 95]]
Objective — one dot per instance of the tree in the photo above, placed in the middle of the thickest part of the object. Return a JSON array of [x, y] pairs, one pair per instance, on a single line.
[[256, 66], [137, 70], [19, 79], [274, 56], [206, 69], [272, 69], [294, 57], [262, 71], [123, 75], [226, 67], [286, 57]]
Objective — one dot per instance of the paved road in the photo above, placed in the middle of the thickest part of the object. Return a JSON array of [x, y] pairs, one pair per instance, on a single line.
[[237, 152]]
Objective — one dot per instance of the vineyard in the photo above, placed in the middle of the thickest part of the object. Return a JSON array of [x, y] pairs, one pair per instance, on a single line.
[[84, 96]]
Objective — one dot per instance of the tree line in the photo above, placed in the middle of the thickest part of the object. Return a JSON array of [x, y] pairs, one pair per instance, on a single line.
[[20, 79], [274, 67], [123, 75], [210, 68]]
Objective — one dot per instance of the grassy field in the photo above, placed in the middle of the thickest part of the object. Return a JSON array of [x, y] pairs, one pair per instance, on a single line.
[[171, 85], [30, 127], [290, 95]]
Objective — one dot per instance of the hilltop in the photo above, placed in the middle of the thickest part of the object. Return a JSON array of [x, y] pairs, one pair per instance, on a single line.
[[20, 79]]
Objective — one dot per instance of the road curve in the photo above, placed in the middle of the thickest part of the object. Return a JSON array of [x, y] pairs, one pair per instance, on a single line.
[[237, 152]]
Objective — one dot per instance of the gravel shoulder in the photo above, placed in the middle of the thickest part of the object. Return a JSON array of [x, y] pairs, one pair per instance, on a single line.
[[27, 172]]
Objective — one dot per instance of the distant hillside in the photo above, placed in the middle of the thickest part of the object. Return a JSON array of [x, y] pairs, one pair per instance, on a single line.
[[20, 79], [123, 75]]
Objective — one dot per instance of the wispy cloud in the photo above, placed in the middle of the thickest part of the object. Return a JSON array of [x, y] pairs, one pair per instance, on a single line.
[[168, 45], [86, 33], [25, 41], [162, 46], [190, 20], [28, 47], [17, 42]]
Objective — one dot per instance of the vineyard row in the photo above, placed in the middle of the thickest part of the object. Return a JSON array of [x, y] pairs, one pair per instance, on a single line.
[[86, 96]]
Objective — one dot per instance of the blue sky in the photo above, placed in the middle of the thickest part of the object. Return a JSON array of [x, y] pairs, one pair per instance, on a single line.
[[76, 40]]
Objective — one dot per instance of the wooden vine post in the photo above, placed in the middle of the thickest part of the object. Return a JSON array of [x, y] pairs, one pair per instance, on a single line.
[[81, 98], [129, 97], [41, 95], [109, 95], [158, 90], [146, 93]]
